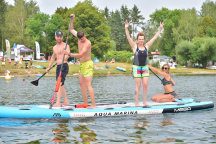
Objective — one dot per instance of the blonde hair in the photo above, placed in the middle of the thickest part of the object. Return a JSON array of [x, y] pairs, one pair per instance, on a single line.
[[167, 66]]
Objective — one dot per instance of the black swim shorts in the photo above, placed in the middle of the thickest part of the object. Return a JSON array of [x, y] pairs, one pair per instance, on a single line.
[[65, 70]]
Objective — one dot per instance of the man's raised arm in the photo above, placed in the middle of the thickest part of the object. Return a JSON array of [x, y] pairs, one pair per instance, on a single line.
[[72, 30]]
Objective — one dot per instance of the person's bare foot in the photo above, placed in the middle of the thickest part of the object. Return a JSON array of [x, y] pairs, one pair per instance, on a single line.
[[145, 104], [57, 105], [65, 103], [137, 105], [174, 100], [91, 107]]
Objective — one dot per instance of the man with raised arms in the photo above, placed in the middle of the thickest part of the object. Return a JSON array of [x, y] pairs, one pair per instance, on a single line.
[[86, 64], [58, 53]]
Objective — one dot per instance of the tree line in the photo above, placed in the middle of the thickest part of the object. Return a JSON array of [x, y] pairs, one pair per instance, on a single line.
[[189, 35]]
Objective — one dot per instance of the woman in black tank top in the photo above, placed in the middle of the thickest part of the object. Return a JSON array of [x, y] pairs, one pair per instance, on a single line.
[[140, 68]]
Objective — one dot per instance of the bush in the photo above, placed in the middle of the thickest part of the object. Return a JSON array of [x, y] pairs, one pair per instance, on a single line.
[[156, 64], [119, 56]]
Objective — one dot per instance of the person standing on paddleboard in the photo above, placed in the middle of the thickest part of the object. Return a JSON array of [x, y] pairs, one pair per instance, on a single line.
[[86, 64], [58, 53], [167, 81], [140, 68]]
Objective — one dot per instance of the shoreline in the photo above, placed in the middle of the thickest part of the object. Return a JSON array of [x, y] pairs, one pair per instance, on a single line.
[[116, 74]]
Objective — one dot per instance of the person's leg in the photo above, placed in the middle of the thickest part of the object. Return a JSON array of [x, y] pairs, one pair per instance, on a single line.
[[157, 97], [145, 89], [91, 91], [137, 89], [83, 88], [165, 98], [63, 91], [58, 100], [64, 94]]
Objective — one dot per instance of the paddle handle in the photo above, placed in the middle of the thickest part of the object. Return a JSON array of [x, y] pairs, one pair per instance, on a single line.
[[66, 42]]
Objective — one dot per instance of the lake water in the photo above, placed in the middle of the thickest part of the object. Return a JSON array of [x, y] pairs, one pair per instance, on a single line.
[[189, 127]]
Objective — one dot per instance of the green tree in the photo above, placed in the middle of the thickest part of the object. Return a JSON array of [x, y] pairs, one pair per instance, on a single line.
[[15, 21], [136, 18], [61, 11], [125, 13], [35, 28], [185, 52], [171, 20], [3, 8], [207, 27], [31, 8], [117, 30], [106, 13], [50, 28], [93, 22], [200, 50], [205, 49], [188, 26], [209, 9]]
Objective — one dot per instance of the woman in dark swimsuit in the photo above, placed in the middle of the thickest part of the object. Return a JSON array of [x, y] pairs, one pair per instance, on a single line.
[[167, 81], [140, 67]]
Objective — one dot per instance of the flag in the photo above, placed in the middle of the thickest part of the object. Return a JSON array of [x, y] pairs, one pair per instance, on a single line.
[[37, 50], [8, 48], [15, 52]]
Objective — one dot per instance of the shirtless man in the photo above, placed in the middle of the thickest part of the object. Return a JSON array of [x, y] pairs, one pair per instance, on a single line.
[[86, 64], [58, 53]]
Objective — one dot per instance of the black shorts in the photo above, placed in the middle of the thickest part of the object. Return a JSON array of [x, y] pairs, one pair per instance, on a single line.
[[65, 70]]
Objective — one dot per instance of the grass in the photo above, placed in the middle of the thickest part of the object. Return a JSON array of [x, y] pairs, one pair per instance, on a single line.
[[73, 68]]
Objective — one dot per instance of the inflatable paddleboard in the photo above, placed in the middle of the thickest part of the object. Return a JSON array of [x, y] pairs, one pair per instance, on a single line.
[[103, 109], [121, 69]]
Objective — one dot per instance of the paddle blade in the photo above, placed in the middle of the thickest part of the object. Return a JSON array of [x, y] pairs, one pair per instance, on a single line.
[[35, 82], [58, 84]]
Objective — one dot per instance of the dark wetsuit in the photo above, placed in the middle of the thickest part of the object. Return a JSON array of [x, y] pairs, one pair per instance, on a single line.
[[140, 67], [165, 82], [65, 70]]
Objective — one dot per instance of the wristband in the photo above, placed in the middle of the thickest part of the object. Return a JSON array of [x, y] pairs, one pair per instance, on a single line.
[[69, 54], [49, 67]]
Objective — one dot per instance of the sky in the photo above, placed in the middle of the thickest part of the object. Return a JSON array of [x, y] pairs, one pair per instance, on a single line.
[[146, 7]]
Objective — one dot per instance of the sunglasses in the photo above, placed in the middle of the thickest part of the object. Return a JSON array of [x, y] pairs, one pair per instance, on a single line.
[[164, 68]]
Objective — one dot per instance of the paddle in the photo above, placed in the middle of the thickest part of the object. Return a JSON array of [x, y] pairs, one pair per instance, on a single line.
[[58, 82], [155, 74], [161, 80], [36, 81]]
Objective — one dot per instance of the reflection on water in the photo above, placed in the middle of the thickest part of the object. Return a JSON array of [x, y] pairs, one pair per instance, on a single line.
[[191, 127], [61, 133]]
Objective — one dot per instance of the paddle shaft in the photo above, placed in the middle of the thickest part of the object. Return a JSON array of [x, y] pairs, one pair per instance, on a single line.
[[59, 78], [155, 74], [48, 71]]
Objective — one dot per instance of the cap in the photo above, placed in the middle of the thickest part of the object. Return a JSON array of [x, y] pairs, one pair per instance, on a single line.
[[58, 33]]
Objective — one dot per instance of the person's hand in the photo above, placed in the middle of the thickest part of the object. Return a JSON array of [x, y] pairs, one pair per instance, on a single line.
[[127, 24], [66, 52], [47, 70], [161, 25], [72, 15]]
